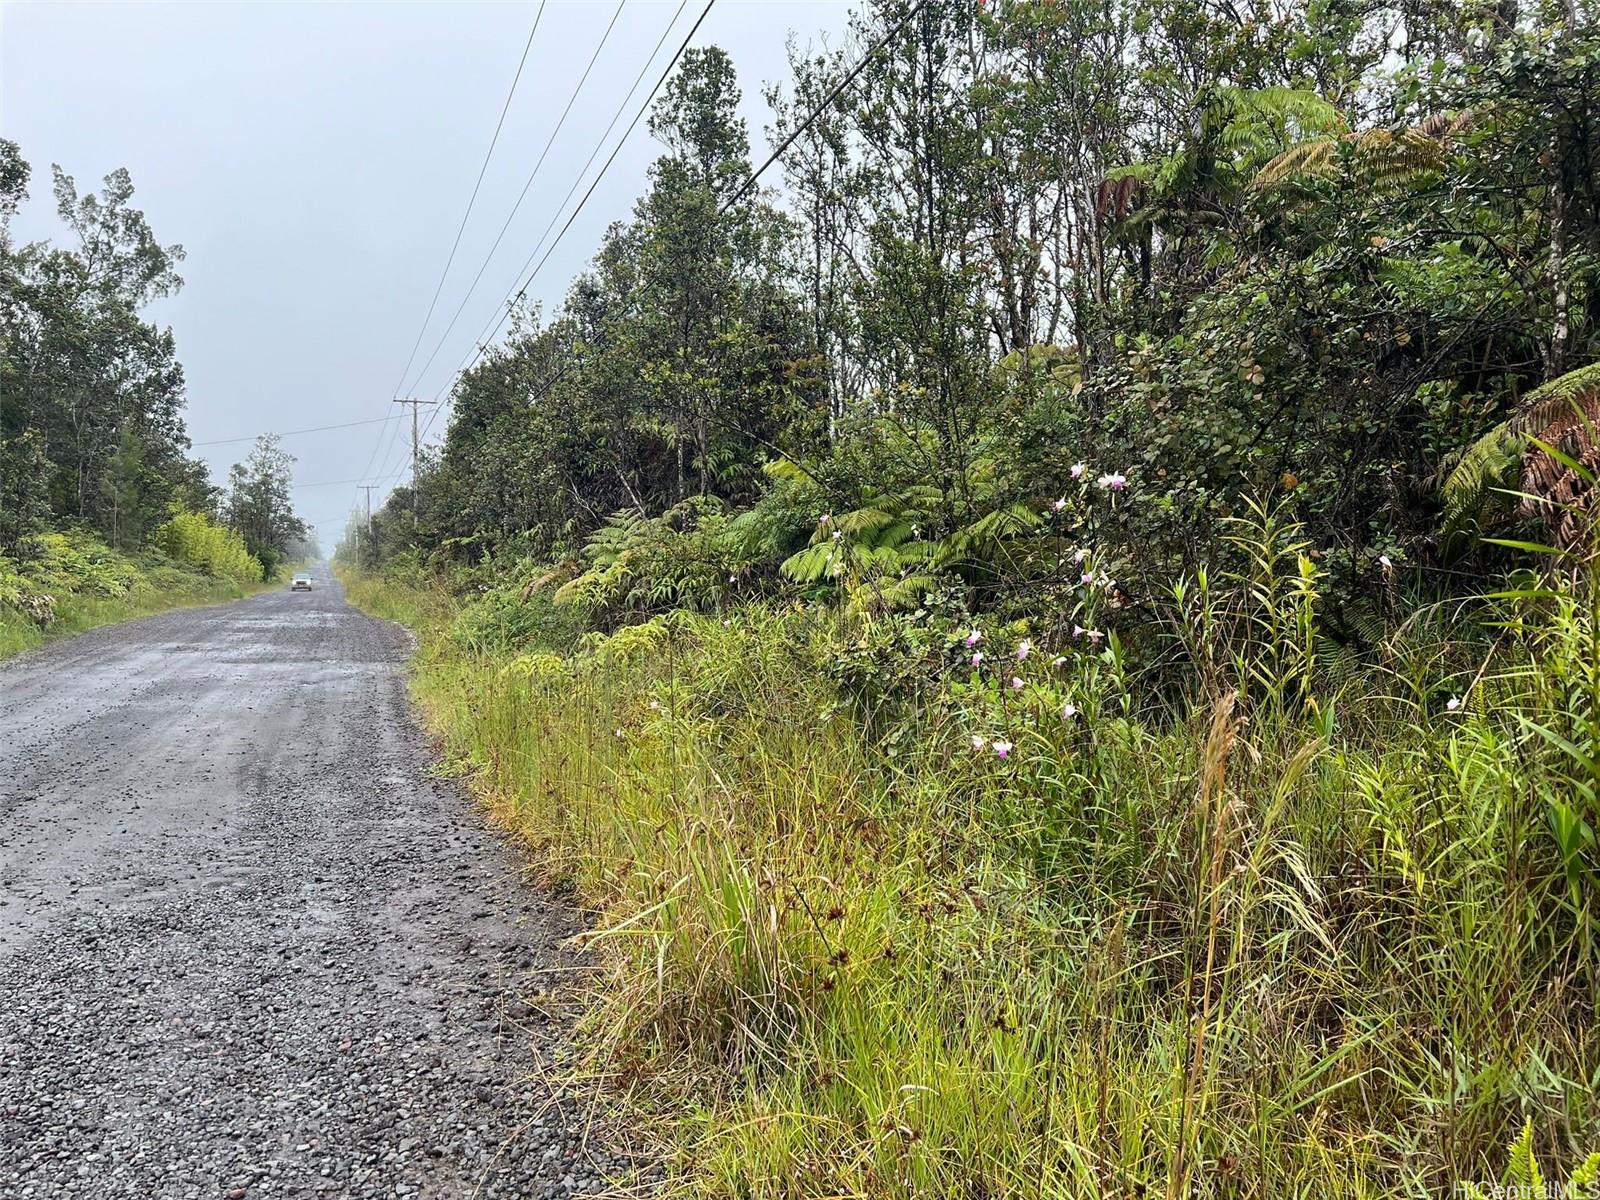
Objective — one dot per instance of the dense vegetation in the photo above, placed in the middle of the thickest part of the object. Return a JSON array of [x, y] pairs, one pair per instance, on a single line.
[[99, 499], [1063, 650], [72, 580]]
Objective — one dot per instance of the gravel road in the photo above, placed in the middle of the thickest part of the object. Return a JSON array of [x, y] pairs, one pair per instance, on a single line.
[[248, 947]]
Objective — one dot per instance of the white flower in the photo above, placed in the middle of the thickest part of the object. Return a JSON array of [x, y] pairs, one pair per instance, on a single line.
[[1080, 554], [1059, 660], [1385, 561], [1453, 703], [1078, 469], [1024, 648], [1068, 711], [836, 535], [1002, 749], [1016, 683], [1060, 504], [1115, 481], [979, 742], [654, 704]]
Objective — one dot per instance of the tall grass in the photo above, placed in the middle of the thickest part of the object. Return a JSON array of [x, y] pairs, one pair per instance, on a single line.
[[1237, 947]]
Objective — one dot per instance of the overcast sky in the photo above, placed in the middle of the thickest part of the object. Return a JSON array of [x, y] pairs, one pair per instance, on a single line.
[[315, 160]]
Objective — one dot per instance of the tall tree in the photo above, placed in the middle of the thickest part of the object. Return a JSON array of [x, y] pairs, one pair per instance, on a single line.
[[258, 504]]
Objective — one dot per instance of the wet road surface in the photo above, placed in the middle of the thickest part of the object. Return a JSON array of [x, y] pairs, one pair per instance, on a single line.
[[248, 945]]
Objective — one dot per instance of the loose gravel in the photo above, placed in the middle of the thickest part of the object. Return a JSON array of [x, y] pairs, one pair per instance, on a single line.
[[249, 946]]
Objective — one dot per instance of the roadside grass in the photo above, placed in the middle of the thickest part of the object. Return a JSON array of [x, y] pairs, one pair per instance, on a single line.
[[1229, 945], [417, 601], [153, 584]]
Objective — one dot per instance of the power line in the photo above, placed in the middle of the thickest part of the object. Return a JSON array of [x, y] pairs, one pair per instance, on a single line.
[[827, 101], [294, 432], [744, 187], [584, 170], [336, 482], [487, 258], [462, 228], [632, 125], [372, 458]]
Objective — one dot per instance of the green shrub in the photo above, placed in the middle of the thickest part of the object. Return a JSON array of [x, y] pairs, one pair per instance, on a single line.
[[194, 538], [518, 617], [73, 581]]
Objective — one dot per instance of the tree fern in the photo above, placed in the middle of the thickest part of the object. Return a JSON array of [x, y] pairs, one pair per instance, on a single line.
[[1552, 443], [1380, 157], [990, 539]]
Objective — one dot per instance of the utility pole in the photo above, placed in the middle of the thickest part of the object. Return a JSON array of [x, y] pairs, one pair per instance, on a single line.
[[367, 488], [415, 450]]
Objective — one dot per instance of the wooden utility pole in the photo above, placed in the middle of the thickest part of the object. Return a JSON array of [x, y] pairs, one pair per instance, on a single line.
[[415, 450], [367, 488]]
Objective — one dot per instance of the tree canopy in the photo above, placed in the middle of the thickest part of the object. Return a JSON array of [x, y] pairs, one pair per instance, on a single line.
[[1306, 257]]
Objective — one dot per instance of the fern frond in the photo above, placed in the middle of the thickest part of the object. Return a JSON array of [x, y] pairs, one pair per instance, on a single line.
[[586, 588], [1564, 415], [1379, 157], [814, 563], [984, 540], [561, 571], [1482, 469], [1308, 159], [864, 520], [1523, 1168], [786, 471]]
